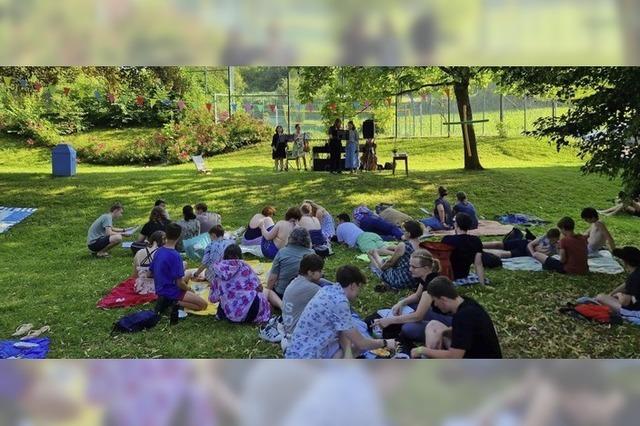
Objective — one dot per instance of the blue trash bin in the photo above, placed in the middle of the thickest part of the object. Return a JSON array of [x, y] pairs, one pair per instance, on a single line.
[[63, 160]]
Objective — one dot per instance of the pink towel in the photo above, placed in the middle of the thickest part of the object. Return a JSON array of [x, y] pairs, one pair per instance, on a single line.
[[124, 295]]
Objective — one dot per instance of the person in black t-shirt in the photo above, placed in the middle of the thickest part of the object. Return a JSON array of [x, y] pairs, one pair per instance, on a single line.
[[467, 249], [471, 335], [626, 296], [335, 146], [158, 221]]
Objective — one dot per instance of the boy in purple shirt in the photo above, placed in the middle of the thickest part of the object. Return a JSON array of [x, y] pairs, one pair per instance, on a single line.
[[168, 274]]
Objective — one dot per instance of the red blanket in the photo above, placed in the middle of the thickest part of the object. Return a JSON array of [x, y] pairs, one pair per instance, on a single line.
[[123, 295]]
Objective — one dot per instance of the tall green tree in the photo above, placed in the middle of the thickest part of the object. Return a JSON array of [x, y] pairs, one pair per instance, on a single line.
[[603, 120]]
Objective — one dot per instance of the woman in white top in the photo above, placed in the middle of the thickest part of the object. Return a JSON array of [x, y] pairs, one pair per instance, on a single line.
[[300, 147]]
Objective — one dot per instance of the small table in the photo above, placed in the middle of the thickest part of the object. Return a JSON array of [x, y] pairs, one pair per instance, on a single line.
[[401, 156]]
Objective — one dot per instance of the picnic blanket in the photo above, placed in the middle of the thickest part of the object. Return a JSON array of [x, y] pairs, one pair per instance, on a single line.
[[520, 219], [123, 295], [485, 228], [604, 264], [203, 290], [630, 316], [8, 350], [10, 216]]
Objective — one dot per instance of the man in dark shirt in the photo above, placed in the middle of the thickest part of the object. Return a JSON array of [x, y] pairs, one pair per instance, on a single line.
[[467, 249], [335, 146], [471, 335], [626, 296]]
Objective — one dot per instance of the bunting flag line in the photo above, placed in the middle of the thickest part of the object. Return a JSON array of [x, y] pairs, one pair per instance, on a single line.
[[332, 106], [248, 107], [97, 95], [272, 107], [152, 102], [208, 105], [260, 108], [166, 102], [356, 105], [139, 100], [388, 102], [7, 81], [111, 97], [23, 83], [66, 90], [37, 86], [367, 103]]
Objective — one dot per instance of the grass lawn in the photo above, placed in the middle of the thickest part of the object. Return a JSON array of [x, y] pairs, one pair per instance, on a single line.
[[48, 276]]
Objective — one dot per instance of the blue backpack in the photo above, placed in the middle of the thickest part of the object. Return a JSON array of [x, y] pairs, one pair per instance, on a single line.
[[136, 321]]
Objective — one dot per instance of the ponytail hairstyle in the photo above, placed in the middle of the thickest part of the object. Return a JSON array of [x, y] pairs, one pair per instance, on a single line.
[[426, 259]]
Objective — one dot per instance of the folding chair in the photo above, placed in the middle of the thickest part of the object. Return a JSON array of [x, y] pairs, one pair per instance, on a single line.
[[290, 157], [199, 163]]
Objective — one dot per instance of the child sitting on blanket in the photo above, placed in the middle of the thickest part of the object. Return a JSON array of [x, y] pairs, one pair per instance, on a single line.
[[467, 249], [168, 274], [573, 251], [547, 244], [214, 252], [238, 290], [626, 296], [597, 235]]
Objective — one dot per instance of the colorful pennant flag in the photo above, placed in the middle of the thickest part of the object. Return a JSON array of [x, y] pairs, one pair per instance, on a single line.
[[272, 107], [356, 105], [23, 83], [332, 106], [424, 96], [233, 107], [111, 97], [97, 95], [224, 116], [260, 108], [152, 102], [181, 105], [248, 107], [66, 90], [139, 100], [37, 86], [208, 105], [166, 102], [388, 102], [7, 81], [367, 103]]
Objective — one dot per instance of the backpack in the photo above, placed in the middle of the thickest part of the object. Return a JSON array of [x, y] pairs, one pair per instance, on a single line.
[[515, 234], [490, 260], [591, 311], [136, 321]]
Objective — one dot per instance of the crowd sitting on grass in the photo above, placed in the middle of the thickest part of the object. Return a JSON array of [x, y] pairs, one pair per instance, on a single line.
[[433, 320]]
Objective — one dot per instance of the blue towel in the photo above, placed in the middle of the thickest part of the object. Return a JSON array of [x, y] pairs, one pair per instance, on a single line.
[[520, 219], [630, 316], [10, 216], [8, 350]]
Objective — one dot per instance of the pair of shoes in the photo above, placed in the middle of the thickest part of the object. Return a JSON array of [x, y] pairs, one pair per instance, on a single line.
[[36, 333], [22, 329], [270, 331]]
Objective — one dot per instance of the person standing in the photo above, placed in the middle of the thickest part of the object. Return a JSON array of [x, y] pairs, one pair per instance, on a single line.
[[300, 147], [335, 146], [351, 156], [279, 149]]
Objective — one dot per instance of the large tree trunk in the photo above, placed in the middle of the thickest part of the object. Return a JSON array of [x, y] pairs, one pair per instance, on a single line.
[[470, 146]]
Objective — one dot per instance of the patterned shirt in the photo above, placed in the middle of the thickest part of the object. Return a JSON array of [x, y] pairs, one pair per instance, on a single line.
[[317, 333], [214, 254]]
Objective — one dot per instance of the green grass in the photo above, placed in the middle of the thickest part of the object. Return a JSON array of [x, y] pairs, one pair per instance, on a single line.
[[49, 278]]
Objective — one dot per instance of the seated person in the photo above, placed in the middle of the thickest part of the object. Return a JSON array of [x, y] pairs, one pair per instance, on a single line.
[[624, 204], [467, 249], [238, 290], [626, 296], [464, 206], [141, 262], [301, 290], [325, 218], [163, 204], [312, 224], [394, 272], [326, 329], [350, 234], [168, 273], [442, 218], [573, 251], [370, 222], [190, 226], [214, 252], [597, 235], [472, 333], [409, 328], [253, 235], [286, 263], [548, 244], [158, 221], [275, 237], [206, 218], [102, 236]]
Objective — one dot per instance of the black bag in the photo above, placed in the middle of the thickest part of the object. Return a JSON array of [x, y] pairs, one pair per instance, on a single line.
[[136, 246], [490, 260], [323, 251], [515, 234], [136, 321]]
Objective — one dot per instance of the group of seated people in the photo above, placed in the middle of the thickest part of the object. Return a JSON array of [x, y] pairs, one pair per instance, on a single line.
[[433, 321]]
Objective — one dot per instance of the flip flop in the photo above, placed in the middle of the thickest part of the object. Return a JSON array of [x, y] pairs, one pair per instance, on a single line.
[[36, 333], [22, 329]]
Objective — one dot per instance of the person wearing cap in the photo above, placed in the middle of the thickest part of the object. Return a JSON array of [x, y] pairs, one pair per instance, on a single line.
[[442, 218], [627, 295]]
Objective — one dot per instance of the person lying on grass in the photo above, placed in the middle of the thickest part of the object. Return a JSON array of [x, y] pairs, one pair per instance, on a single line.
[[471, 334], [238, 290], [597, 235], [102, 236], [409, 328], [394, 272], [547, 244], [573, 251], [350, 234], [326, 329], [626, 296], [624, 204], [167, 270]]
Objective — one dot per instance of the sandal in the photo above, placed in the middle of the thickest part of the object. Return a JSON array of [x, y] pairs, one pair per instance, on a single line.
[[22, 329], [36, 333], [103, 255]]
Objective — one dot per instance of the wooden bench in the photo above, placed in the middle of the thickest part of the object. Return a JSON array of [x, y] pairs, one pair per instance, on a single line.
[[401, 156]]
